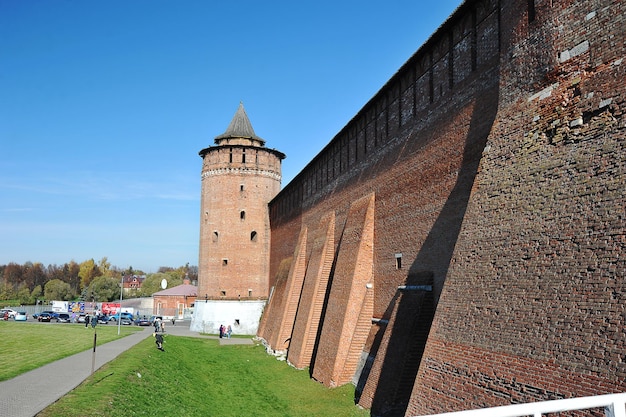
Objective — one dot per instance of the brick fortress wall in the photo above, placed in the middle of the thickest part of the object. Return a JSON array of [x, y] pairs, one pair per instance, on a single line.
[[458, 244], [533, 305]]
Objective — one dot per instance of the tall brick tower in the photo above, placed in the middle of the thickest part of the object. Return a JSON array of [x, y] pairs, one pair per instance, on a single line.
[[239, 178]]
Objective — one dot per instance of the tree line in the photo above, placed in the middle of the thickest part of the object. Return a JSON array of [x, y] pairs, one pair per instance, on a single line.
[[33, 283]]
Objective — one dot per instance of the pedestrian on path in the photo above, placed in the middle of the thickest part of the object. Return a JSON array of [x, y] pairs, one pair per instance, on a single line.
[[159, 341]]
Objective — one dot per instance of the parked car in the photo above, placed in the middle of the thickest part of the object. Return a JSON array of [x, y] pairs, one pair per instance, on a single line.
[[128, 316], [45, 317], [81, 318], [126, 321], [20, 316], [52, 313], [7, 313], [143, 321], [64, 318], [103, 319]]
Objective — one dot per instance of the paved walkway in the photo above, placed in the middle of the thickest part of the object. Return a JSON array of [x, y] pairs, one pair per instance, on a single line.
[[29, 393]]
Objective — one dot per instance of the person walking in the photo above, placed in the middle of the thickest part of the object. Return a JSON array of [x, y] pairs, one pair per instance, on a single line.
[[159, 341], [229, 330]]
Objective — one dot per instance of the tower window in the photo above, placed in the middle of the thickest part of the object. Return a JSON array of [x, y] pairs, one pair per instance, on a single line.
[[249, 293], [241, 187], [215, 236], [224, 262], [243, 156], [242, 215], [230, 155], [223, 293], [253, 236], [398, 261]]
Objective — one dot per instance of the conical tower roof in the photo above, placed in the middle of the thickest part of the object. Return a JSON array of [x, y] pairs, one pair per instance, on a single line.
[[239, 127]]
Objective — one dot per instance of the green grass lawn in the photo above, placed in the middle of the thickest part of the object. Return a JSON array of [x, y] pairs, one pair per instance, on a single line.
[[198, 377], [29, 345]]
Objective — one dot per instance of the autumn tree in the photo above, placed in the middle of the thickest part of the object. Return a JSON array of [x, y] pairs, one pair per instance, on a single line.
[[88, 271], [28, 297], [57, 290], [72, 272], [55, 272], [17, 280], [104, 266], [152, 283], [33, 274], [116, 272], [36, 294], [104, 288], [192, 273], [6, 291], [24, 295], [12, 274], [177, 275]]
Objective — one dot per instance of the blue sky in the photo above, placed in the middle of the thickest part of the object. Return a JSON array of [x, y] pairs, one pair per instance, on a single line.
[[104, 106]]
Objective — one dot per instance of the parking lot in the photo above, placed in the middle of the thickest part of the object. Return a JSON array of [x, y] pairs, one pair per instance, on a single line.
[[49, 316]]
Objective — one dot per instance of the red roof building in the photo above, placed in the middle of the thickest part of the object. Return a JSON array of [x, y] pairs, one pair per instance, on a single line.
[[132, 284], [175, 302]]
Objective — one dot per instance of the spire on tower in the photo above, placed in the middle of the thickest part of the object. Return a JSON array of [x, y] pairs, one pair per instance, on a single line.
[[239, 127]]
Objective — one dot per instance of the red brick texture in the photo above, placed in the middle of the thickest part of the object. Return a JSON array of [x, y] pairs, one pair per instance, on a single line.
[[348, 313], [293, 286], [533, 305], [237, 183], [311, 302], [493, 165], [388, 383], [462, 377], [271, 320]]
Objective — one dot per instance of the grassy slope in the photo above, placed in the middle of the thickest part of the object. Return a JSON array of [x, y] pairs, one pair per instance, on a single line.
[[26, 346], [193, 377]]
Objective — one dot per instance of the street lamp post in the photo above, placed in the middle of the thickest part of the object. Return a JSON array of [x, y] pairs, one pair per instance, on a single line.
[[119, 312], [95, 335]]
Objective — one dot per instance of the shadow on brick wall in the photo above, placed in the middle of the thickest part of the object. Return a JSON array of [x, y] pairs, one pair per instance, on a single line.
[[325, 304], [410, 324]]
